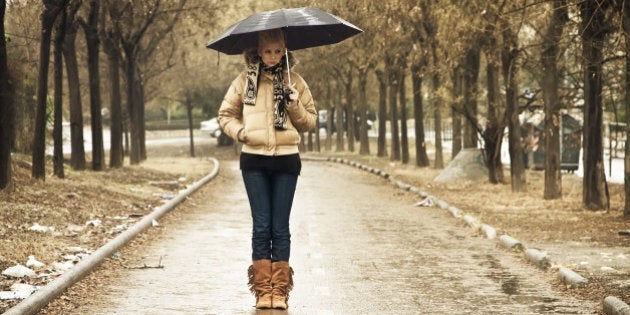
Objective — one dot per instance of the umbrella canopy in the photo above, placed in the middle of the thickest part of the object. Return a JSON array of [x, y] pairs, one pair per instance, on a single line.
[[303, 28]]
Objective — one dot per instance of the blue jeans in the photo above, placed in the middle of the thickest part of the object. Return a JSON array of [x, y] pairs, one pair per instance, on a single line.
[[270, 198]]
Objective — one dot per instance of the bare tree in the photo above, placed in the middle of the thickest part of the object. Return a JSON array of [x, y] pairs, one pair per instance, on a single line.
[[337, 118], [626, 30], [549, 59], [343, 109], [189, 107], [51, 10], [58, 97], [594, 27], [77, 155], [470, 106], [436, 85], [510, 53], [90, 28], [432, 42], [464, 49], [348, 104], [493, 132], [363, 60], [419, 60], [422, 158], [404, 138], [382, 114], [110, 36], [393, 78], [456, 118], [139, 22], [364, 144], [6, 109]]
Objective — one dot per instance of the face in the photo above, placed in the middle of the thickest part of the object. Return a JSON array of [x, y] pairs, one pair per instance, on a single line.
[[271, 53]]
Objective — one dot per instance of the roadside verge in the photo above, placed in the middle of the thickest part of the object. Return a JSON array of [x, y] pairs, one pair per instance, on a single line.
[[610, 305], [41, 297]]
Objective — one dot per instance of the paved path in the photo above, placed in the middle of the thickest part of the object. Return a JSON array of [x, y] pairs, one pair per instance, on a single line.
[[360, 246]]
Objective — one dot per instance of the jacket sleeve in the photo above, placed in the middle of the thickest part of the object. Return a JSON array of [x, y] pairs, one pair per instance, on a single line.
[[302, 113], [231, 110]]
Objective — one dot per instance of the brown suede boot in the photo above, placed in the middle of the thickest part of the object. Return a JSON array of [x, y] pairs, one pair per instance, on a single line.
[[281, 283], [259, 274]]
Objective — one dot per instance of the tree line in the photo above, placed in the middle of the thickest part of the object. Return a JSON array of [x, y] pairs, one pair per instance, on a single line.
[[137, 38], [463, 62], [477, 65]]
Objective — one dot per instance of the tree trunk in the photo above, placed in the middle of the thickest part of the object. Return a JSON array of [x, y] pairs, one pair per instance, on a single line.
[[456, 117], [191, 128], [517, 163], [626, 29], [364, 141], [77, 154], [437, 108], [493, 135], [6, 109], [309, 141], [393, 108], [51, 10], [338, 121], [134, 128], [595, 189], [329, 116], [382, 114], [404, 139], [139, 100], [510, 71], [422, 158], [57, 103], [439, 154], [92, 40], [349, 111], [471, 77], [552, 132], [116, 153]]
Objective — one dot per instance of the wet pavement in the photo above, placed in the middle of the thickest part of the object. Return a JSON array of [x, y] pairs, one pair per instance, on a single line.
[[360, 246]]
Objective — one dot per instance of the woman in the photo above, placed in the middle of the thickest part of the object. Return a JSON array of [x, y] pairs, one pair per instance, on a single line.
[[266, 115]]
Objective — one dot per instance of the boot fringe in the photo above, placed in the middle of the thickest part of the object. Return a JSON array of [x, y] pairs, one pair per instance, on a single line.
[[250, 280], [290, 284]]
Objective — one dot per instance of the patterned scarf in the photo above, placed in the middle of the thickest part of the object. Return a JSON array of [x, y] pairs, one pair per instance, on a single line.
[[251, 90]]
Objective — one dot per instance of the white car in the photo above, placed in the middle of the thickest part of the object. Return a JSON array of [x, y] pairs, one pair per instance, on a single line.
[[212, 127]]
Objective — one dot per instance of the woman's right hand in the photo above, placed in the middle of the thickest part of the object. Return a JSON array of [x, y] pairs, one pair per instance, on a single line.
[[294, 95]]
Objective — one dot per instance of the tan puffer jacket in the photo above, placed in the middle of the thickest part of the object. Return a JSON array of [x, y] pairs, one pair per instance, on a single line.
[[253, 125]]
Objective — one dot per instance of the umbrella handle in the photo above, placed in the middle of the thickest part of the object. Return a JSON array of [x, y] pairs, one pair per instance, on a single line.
[[286, 54]]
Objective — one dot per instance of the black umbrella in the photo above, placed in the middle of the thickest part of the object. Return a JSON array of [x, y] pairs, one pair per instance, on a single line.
[[303, 28]]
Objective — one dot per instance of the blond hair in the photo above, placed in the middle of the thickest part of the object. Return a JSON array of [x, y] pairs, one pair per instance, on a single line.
[[271, 36]]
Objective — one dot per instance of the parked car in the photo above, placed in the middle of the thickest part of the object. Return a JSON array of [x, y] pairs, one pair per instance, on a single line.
[[323, 121], [212, 127]]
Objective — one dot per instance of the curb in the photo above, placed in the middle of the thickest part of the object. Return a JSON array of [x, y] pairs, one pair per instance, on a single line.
[[611, 304], [43, 296], [615, 306], [571, 278]]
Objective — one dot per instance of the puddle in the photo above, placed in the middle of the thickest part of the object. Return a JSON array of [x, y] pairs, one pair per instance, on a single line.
[[510, 283], [516, 288]]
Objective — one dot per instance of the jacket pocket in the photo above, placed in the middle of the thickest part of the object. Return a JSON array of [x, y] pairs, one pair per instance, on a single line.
[[287, 137], [255, 137]]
